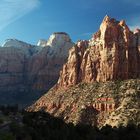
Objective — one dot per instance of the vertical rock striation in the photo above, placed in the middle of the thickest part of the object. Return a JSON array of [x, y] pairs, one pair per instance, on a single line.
[[112, 54]]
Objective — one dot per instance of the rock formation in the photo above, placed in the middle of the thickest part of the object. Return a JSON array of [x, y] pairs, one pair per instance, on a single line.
[[26, 71], [89, 89], [14, 56], [112, 54], [44, 67]]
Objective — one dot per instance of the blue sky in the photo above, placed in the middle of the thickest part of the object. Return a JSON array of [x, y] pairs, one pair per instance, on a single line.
[[37, 19]]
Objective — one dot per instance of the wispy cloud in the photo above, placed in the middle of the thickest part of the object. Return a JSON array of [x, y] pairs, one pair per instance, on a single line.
[[11, 10], [133, 2], [86, 34], [133, 27], [134, 22]]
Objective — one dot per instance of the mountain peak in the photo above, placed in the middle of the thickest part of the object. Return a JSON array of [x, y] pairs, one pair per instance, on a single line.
[[106, 18], [61, 33], [109, 21], [58, 39], [123, 23], [15, 43], [42, 42]]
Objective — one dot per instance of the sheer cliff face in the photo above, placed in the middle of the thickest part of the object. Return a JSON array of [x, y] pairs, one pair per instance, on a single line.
[[112, 53], [25, 68]]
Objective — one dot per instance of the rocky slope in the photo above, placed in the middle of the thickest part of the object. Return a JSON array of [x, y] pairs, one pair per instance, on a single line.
[[99, 103], [85, 91], [26, 71]]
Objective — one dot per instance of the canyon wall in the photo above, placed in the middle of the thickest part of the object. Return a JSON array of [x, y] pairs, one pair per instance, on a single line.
[[113, 53]]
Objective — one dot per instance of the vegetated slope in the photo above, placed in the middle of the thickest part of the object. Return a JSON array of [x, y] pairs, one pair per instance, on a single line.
[[114, 103]]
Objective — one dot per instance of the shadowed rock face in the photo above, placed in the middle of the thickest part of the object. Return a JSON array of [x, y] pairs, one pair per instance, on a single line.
[[26, 69], [14, 56], [112, 54]]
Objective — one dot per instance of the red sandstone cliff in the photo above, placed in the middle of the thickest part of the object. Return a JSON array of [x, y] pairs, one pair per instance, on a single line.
[[94, 69], [112, 53]]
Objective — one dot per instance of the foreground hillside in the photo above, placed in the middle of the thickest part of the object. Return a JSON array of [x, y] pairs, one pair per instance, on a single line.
[[17, 125], [114, 103]]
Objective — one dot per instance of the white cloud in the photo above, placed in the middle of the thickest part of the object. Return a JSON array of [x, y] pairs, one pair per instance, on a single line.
[[11, 10]]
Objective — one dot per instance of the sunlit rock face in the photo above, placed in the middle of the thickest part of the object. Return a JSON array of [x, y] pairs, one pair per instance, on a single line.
[[112, 53], [26, 68], [42, 43]]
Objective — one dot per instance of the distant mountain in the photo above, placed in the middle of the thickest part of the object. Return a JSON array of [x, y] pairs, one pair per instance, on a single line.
[[27, 71], [99, 83]]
